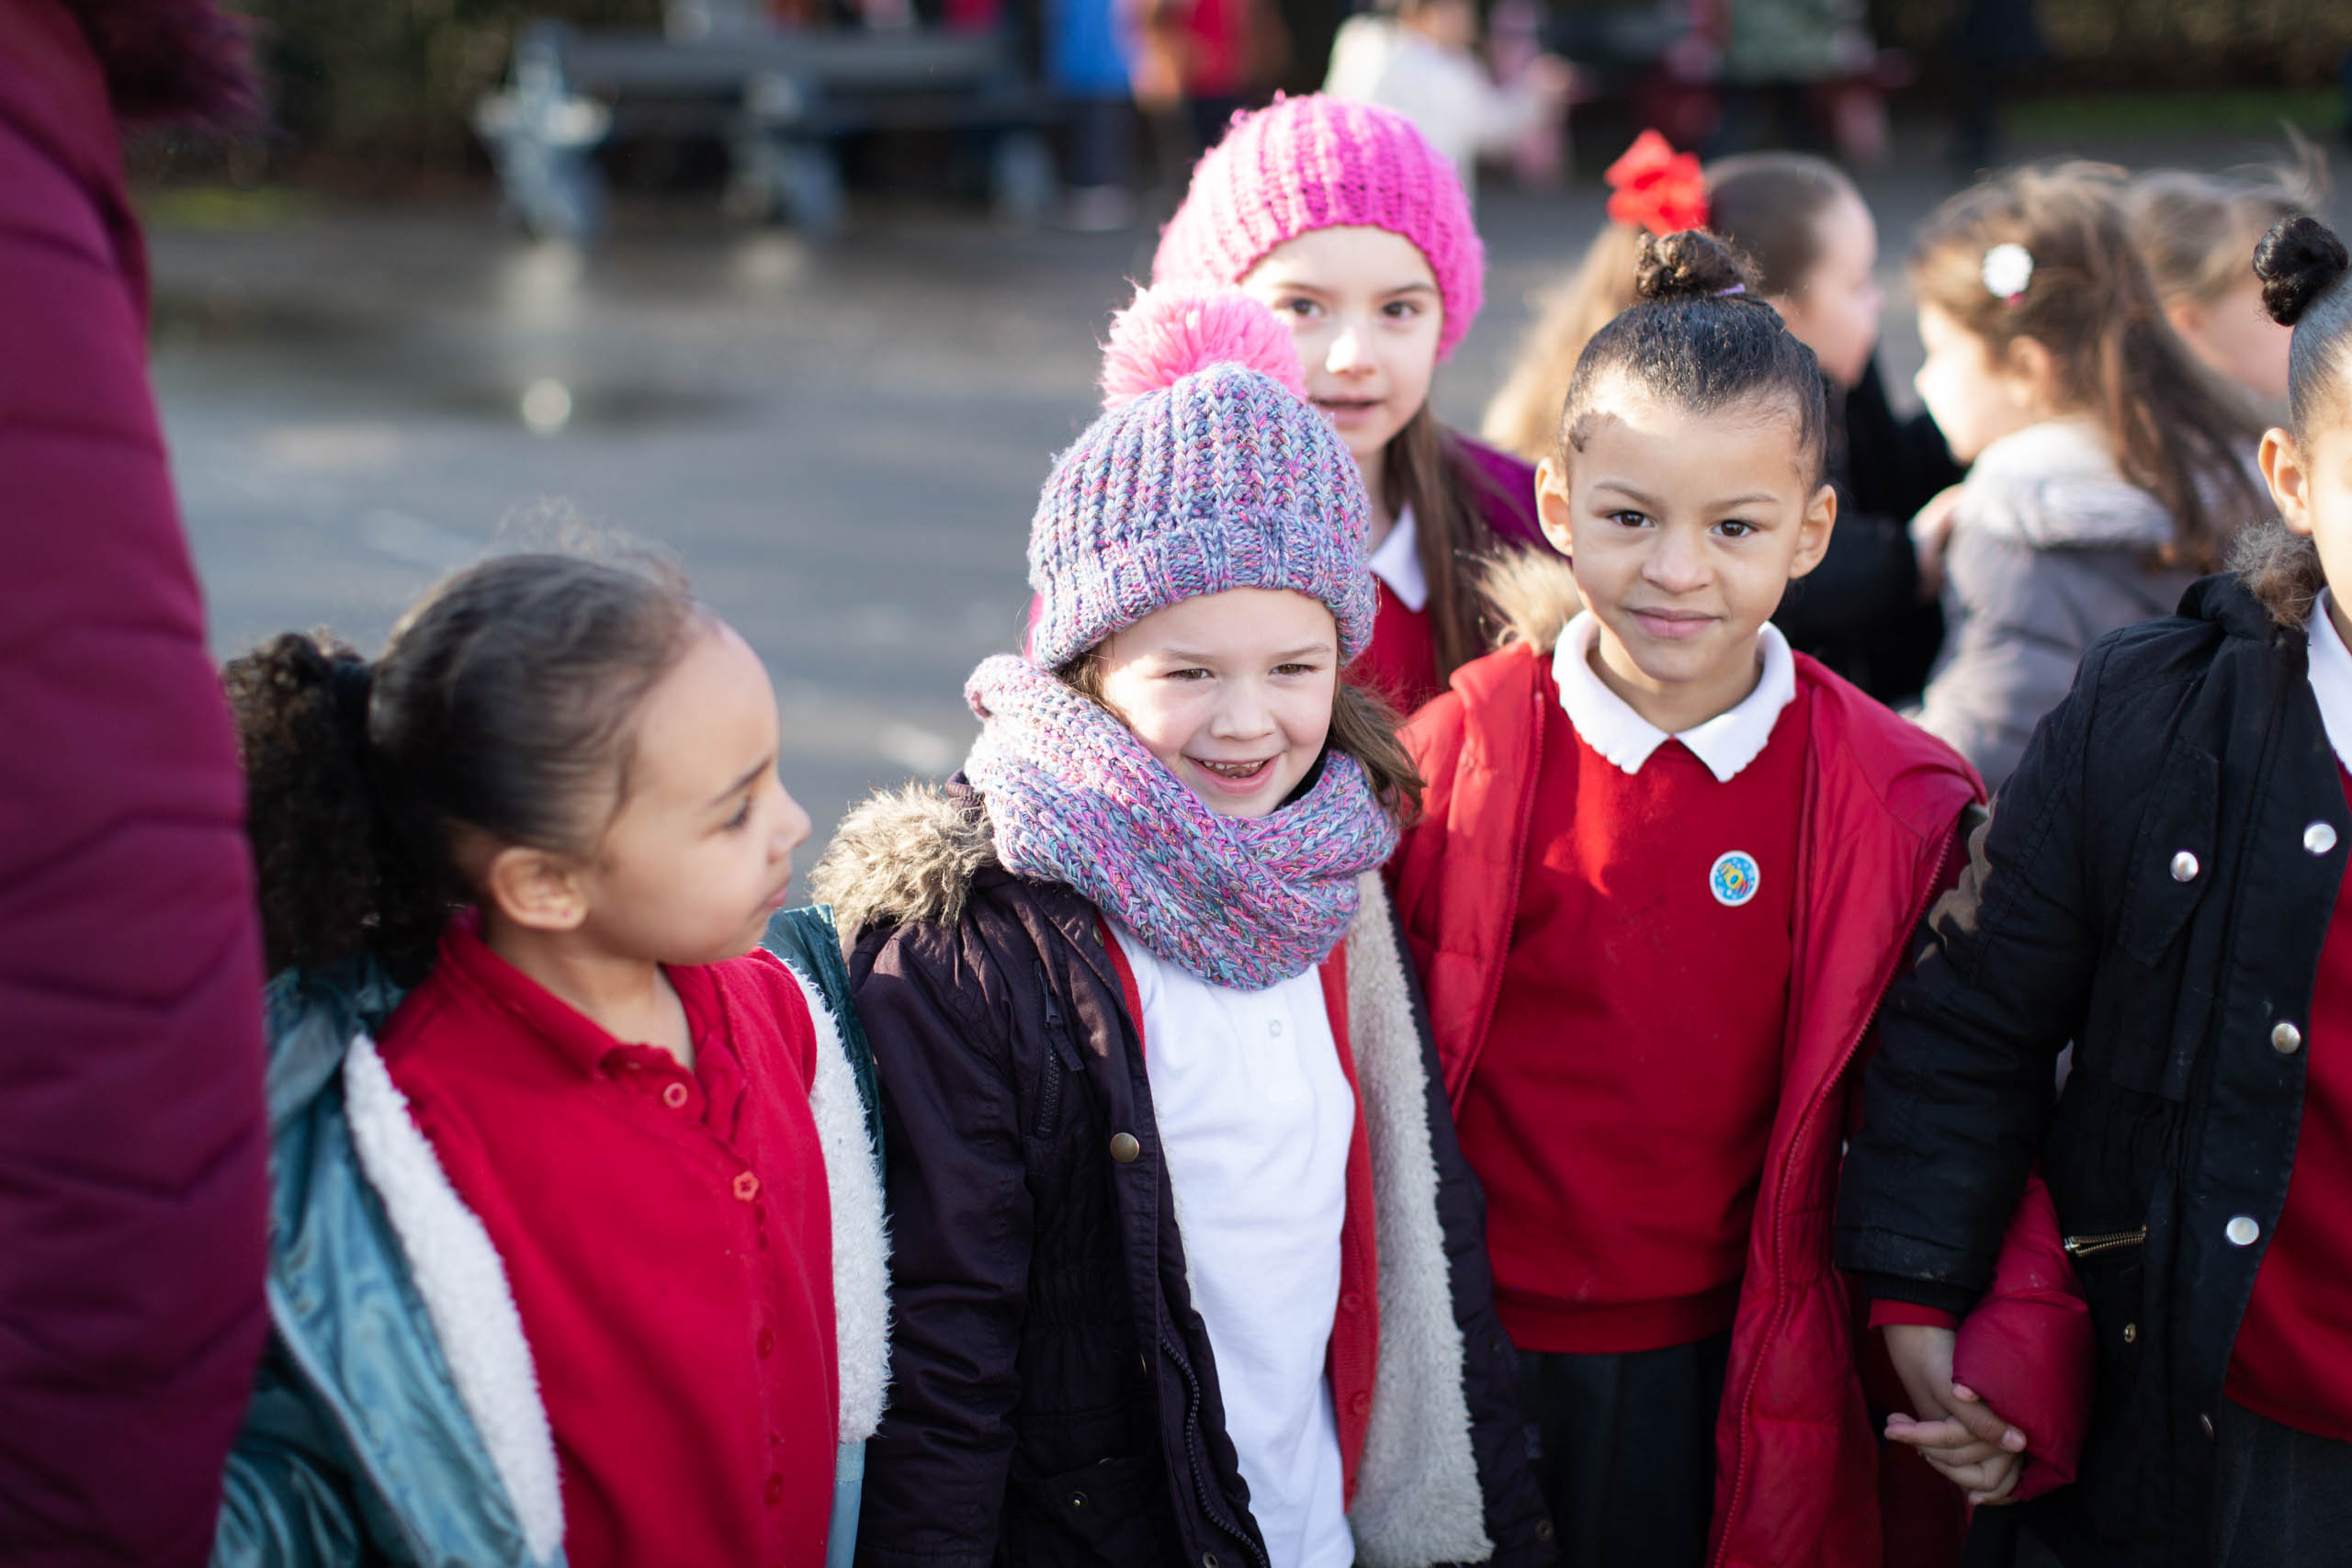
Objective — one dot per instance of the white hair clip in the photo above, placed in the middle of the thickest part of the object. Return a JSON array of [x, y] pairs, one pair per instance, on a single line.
[[2008, 267]]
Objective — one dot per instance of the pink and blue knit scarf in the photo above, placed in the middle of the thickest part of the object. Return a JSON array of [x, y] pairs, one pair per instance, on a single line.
[[1243, 902]]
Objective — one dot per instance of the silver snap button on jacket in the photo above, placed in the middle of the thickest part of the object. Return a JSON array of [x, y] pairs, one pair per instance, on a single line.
[[2242, 1231], [2184, 867], [2286, 1038], [2319, 837]]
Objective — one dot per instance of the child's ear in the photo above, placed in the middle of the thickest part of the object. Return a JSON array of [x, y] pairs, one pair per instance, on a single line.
[[535, 889], [2283, 467], [1812, 532], [1552, 506], [2033, 376]]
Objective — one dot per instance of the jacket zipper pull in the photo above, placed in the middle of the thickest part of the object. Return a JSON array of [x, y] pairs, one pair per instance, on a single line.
[[2091, 1246]]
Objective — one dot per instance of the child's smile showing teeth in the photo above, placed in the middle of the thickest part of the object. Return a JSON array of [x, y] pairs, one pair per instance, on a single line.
[[1250, 773]]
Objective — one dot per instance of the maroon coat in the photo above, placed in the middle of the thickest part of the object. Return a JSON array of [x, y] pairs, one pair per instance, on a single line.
[[133, 1144]]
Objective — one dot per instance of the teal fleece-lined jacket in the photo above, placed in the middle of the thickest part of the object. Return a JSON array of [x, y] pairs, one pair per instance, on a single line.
[[397, 1413]]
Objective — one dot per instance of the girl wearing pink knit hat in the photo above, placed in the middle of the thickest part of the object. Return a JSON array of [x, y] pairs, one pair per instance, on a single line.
[[1344, 219], [1186, 1264]]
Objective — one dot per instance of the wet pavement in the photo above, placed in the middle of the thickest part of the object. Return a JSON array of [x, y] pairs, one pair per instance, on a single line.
[[843, 446]]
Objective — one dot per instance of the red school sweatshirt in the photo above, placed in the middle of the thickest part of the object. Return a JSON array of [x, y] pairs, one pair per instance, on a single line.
[[1619, 1114]]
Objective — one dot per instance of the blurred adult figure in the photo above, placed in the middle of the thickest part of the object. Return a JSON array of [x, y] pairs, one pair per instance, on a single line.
[[1420, 61], [133, 1144]]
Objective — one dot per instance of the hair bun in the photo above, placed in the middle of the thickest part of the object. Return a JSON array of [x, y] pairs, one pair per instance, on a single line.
[[1692, 263], [2298, 261], [1168, 333]]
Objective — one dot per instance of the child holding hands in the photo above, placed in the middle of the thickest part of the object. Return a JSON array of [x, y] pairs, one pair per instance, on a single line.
[[1664, 870], [2162, 885]]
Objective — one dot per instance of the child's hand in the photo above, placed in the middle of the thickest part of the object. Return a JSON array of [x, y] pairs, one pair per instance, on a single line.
[[1965, 1440], [1930, 533]]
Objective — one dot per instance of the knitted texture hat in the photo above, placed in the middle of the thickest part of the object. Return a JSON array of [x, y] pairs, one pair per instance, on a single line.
[[1206, 471], [1319, 162]]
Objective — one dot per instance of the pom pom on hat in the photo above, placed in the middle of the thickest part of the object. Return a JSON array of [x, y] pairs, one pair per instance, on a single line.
[[1208, 470], [1168, 333]]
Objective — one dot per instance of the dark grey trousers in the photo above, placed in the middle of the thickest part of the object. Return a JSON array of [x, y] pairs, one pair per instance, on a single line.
[[1624, 1452], [2283, 1498]]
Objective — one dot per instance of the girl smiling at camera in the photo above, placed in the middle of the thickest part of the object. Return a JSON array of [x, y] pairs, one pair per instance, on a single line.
[[1186, 1263], [1665, 868]]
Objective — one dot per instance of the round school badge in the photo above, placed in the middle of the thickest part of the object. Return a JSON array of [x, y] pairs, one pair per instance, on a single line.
[[1731, 879]]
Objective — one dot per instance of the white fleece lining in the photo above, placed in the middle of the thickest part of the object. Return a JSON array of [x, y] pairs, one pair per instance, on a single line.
[[1417, 1498], [464, 1287], [861, 1246]]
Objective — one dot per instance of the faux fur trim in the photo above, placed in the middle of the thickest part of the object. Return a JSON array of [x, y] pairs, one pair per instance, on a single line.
[[860, 1241], [1534, 596], [1417, 1496], [903, 855], [458, 1274]]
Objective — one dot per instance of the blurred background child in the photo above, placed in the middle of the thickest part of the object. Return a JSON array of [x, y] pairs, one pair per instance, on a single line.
[[1815, 244], [2108, 468], [2197, 232]]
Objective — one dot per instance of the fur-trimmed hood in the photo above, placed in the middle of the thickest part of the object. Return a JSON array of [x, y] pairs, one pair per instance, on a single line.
[[1532, 596], [904, 855]]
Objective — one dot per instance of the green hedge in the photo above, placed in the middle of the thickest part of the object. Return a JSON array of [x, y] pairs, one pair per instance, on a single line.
[[2111, 44]]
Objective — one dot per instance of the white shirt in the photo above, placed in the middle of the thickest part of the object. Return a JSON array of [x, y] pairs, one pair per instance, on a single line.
[[1726, 743], [1255, 1116], [1397, 563], [2331, 678]]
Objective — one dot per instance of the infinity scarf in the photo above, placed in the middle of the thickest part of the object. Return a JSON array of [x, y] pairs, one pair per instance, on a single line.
[[1243, 902]]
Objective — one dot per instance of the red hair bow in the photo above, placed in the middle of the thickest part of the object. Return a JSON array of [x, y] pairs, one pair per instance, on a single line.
[[1656, 188]]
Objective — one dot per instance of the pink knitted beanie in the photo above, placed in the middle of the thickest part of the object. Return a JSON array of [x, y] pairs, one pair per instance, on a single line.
[[1206, 471], [1318, 162]]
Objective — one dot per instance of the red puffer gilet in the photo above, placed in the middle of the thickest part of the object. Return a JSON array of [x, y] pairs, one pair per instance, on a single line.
[[1799, 1473]]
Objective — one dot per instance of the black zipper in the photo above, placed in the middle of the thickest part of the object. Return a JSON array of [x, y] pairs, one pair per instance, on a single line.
[[1050, 1092], [1198, 1460], [2080, 1246]]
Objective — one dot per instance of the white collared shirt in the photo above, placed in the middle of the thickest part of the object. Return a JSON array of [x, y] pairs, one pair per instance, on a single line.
[[2331, 678], [1397, 563], [1726, 743]]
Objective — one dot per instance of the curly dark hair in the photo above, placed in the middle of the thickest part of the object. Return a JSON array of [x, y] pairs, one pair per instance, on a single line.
[[1701, 337], [2302, 266], [502, 703]]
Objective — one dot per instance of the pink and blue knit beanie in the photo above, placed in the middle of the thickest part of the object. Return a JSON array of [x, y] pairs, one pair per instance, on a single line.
[[1318, 162], [1208, 470]]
